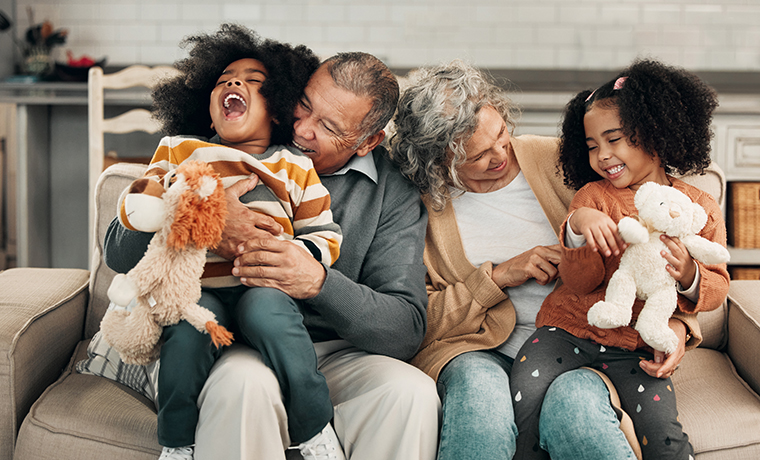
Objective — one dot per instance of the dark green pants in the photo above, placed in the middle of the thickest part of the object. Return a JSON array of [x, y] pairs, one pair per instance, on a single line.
[[263, 318]]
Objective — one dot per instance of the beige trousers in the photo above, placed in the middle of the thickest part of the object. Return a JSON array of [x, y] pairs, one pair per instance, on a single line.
[[385, 409]]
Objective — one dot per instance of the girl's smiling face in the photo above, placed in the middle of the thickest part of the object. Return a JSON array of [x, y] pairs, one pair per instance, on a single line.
[[611, 154]]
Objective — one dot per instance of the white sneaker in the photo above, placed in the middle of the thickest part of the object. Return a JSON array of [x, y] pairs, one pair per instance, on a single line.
[[323, 446], [177, 453]]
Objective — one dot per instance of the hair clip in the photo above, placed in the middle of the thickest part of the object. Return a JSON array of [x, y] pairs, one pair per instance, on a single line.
[[618, 85]]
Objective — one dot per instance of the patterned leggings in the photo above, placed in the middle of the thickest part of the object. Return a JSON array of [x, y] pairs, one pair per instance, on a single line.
[[649, 401]]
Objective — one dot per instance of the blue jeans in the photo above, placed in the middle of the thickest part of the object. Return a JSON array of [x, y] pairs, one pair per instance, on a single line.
[[478, 422], [577, 420]]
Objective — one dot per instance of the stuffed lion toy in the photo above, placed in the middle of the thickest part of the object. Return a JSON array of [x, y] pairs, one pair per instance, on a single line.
[[662, 210], [188, 218]]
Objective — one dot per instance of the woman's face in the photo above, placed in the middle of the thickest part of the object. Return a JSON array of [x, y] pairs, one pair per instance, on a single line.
[[491, 163]]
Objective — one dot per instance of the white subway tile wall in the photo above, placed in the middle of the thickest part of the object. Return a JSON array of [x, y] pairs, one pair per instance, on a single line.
[[527, 34]]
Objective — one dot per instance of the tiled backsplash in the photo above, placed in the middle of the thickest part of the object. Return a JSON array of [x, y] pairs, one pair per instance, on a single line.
[[529, 34]]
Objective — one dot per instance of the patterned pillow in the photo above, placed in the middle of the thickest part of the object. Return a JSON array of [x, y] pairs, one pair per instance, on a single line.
[[104, 361]]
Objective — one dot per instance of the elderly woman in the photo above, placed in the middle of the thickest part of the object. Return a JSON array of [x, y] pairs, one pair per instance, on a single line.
[[496, 203]]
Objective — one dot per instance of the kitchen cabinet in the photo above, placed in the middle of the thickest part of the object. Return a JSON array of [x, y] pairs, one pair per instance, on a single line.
[[50, 154]]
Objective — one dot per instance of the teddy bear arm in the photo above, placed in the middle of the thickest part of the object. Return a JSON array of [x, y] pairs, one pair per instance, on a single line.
[[706, 251], [632, 231]]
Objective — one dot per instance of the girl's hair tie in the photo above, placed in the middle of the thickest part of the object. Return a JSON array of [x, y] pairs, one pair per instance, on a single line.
[[618, 85]]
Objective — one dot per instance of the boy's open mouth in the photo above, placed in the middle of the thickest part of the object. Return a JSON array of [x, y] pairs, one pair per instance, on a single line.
[[234, 105]]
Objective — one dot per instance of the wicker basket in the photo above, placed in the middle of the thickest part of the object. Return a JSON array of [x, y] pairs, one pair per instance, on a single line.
[[744, 273], [744, 215]]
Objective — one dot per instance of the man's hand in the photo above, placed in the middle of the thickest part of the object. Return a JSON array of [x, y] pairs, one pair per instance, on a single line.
[[242, 223], [539, 263], [268, 262]]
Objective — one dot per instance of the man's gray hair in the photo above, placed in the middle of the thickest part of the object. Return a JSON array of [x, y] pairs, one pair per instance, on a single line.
[[437, 115], [366, 76]]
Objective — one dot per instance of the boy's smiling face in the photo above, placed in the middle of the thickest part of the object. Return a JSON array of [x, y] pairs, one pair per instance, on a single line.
[[239, 113]]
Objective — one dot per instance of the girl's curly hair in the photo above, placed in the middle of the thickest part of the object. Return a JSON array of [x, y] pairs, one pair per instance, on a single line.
[[181, 104], [664, 110]]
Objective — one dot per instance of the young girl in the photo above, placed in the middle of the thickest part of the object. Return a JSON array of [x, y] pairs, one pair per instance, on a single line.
[[649, 121], [241, 92]]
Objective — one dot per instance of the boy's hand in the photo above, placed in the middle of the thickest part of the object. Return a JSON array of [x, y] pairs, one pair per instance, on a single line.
[[599, 229], [680, 263]]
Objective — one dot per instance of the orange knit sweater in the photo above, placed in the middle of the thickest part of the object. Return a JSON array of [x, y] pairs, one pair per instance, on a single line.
[[585, 273]]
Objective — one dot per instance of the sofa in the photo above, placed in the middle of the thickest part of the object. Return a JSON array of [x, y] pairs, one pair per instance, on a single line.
[[48, 410]]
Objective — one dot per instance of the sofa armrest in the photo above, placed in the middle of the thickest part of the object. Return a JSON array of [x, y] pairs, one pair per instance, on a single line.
[[744, 329], [42, 314]]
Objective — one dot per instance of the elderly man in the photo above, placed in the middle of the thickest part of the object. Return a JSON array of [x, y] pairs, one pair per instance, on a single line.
[[365, 314]]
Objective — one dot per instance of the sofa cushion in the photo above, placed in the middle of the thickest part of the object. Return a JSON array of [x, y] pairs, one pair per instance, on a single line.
[[712, 323], [104, 361], [84, 413], [718, 411], [111, 183], [34, 347]]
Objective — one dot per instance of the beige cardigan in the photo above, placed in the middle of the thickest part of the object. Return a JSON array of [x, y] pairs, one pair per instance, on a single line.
[[466, 310]]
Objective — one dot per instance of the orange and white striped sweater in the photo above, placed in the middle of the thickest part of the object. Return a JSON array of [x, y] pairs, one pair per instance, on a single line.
[[289, 190]]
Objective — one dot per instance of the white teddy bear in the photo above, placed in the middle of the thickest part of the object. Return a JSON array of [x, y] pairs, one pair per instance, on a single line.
[[642, 274]]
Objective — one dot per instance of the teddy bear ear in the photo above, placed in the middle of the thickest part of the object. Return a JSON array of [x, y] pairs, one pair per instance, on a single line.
[[699, 218], [644, 192]]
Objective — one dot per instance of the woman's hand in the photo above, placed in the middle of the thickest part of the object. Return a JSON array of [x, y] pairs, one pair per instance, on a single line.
[[680, 263], [663, 366], [599, 229], [539, 263]]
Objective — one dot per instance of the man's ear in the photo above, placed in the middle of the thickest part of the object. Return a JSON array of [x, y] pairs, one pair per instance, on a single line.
[[370, 143]]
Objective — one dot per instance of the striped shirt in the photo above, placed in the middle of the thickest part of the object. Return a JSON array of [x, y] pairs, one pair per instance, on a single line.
[[289, 190]]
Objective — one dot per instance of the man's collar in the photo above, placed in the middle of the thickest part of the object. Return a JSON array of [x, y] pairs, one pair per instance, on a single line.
[[364, 165]]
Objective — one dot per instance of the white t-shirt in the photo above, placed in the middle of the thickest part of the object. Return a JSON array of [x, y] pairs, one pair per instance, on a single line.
[[498, 226]]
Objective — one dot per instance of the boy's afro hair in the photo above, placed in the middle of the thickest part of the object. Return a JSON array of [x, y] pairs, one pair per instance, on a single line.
[[664, 110], [181, 104]]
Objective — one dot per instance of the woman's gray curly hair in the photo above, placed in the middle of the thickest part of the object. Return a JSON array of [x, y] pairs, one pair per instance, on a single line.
[[437, 115]]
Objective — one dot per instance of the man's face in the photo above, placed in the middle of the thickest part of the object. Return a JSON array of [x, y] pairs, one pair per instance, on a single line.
[[327, 123]]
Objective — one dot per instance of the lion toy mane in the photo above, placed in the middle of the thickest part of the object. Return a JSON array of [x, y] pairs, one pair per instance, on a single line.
[[166, 282], [662, 210]]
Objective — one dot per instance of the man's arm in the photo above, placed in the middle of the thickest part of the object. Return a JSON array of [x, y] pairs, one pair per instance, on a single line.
[[383, 309], [123, 248]]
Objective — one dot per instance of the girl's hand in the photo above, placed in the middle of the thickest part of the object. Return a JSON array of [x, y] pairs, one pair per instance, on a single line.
[[599, 229], [680, 263], [539, 263], [663, 366]]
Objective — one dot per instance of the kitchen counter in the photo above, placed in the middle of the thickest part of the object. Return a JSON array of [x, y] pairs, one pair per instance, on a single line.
[[61, 93]]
